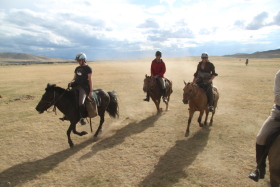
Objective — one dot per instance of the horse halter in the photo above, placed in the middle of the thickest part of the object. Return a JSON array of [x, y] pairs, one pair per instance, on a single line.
[[189, 94], [54, 101]]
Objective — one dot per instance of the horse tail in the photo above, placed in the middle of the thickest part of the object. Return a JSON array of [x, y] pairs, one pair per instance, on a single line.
[[113, 107]]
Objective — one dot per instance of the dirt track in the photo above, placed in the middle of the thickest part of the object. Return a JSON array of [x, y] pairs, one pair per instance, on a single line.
[[140, 148]]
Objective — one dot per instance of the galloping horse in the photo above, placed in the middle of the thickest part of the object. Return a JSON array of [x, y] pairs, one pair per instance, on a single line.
[[198, 102], [274, 158], [153, 88], [65, 101]]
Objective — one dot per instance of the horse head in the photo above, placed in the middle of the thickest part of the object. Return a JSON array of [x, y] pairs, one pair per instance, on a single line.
[[147, 81], [48, 99], [188, 92]]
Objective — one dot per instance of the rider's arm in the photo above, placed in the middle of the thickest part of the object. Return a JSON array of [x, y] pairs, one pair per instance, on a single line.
[[277, 89], [90, 84]]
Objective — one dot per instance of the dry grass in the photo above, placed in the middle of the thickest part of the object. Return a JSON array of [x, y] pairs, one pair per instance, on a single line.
[[140, 148]]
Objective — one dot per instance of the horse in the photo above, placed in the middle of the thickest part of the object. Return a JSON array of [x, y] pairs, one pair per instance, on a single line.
[[273, 146], [153, 87], [64, 100], [197, 99]]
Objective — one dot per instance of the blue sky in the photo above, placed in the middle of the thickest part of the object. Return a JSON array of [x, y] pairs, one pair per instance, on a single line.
[[129, 29]]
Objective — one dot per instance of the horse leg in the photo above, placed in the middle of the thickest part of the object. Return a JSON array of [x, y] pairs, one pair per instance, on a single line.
[[166, 103], [206, 117], [189, 122], [273, 182], [168, 97], [200, 117], [78, 133], [211, 120], [68, 135], [157, 102], [100, 124]]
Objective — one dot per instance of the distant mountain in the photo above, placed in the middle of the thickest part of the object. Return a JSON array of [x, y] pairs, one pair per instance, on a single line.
[[263, 54], [23, 58]]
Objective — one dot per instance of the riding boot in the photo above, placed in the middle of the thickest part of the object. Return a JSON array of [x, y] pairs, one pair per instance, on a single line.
[[82, 114], [164, 95], [259, 173], [147, 98]]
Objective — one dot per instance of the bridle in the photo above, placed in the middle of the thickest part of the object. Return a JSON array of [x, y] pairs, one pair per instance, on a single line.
[[189, 94], [54, 101]]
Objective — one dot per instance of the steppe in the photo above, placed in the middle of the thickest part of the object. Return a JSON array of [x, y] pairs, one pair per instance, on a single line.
[[140, 148]]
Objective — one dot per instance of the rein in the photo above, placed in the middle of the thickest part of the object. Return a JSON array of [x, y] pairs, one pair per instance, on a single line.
[[54, 101]]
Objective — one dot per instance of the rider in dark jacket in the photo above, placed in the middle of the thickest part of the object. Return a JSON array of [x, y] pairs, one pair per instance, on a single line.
[[203, 77]]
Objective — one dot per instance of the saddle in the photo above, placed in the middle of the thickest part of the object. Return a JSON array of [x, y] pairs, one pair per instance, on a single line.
[[92, 104]]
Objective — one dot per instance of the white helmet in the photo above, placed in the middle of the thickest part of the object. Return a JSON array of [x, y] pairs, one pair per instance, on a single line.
[[205, 55], [81, 56]]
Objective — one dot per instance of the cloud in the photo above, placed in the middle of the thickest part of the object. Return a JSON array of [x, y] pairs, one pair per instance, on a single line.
[[277, 19], [163, 35], [239, 23], [149, 23], [60, 28], [258, 21]]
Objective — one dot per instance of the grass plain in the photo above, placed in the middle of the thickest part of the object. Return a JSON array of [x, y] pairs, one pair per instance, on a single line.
[[140, 148]]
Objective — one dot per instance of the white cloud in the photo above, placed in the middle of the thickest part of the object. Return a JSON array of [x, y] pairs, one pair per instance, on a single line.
[[116, 24]]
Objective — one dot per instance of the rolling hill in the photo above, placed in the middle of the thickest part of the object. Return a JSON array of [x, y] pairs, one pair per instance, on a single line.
[[263, 54], [24, 58]]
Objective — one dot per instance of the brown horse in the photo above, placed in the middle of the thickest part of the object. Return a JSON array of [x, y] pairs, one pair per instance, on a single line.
[[152, 86], [197, 99], [274, 159]]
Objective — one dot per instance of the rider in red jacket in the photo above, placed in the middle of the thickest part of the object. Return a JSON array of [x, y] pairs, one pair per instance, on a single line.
[[157, 70]]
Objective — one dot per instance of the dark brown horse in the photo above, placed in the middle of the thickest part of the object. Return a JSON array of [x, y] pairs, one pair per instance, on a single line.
[[197, 99], [152, 86], [65, 101]]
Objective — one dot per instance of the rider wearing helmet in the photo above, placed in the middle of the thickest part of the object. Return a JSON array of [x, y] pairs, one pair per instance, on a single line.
[[157, 70], [203, 77], [82, 82], [269, 125]]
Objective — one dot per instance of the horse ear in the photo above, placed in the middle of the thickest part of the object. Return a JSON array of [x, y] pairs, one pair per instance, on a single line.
[[185, 83], [146, 76], [51, 85]]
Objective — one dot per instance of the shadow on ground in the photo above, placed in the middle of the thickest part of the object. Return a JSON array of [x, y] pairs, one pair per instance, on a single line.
[[171, 166], [24, 172], [119, 137]]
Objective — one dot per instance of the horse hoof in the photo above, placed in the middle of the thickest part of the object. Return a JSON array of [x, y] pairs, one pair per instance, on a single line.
[[83, 133], [187, 134], [71, 145], [201, 125]]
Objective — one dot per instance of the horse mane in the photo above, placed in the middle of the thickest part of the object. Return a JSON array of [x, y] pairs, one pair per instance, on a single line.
[[68, 93]]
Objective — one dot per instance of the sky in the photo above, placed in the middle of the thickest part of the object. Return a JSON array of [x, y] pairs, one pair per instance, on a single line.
[[132, 29]]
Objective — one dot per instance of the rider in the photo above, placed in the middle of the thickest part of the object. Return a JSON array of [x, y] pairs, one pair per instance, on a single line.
[[203, 77], [82, 82], [157, 70], [272, 122]]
